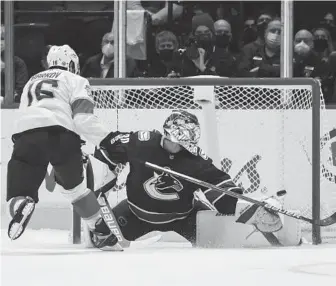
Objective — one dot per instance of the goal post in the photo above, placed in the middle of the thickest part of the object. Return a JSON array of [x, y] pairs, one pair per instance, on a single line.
[[266, 133], [317, 97]]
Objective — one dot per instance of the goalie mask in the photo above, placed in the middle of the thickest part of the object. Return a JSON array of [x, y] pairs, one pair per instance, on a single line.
[[65, 57], [183, 128]]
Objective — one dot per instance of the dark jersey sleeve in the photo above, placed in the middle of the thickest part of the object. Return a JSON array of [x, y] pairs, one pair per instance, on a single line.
[[115, 148], [210, 173], [122, 147]]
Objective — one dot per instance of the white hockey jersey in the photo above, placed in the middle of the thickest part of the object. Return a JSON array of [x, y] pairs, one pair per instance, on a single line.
[[58, 97]]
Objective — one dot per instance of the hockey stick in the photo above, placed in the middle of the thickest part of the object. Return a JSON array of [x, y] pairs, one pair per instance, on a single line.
[[112, 223], [324, 222], [107, 213]]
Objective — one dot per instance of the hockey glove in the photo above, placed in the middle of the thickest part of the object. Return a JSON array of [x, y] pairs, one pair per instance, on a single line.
[[263, 219]]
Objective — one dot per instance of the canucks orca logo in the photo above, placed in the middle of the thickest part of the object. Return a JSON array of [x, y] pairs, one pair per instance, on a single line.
[[163, 187]]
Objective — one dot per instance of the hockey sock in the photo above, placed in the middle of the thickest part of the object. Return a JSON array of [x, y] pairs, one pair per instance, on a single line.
[[85, 203]]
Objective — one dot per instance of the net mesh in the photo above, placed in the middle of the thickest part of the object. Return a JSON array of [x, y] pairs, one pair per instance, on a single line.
[[275, 117], [228, 97]]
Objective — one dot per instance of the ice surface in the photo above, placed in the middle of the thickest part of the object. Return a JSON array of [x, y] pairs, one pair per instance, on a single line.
[[45, 258]]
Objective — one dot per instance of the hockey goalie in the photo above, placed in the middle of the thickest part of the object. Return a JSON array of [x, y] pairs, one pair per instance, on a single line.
[[161, 202]]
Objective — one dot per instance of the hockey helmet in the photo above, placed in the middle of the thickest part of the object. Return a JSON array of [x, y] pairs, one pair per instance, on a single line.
[[63, 56], [182, 127]]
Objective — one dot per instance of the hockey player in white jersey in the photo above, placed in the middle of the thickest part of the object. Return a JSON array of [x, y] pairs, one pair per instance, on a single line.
[[56, 107]]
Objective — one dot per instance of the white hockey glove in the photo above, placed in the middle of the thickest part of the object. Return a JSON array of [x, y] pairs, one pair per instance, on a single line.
[[263, 219]]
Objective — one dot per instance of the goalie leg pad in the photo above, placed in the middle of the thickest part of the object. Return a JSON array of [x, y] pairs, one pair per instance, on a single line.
[[219, 231]]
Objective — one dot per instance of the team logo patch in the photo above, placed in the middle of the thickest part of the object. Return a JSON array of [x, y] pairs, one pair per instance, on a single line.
[[163, 187], [143, 135], [122, 221]]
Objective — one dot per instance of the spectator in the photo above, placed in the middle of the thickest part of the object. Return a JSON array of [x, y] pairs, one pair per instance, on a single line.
[[102, 64], [195, 58], [168, 63], [305, 59], [261, 25], [323, 47], [257, 31], [329, 24], [307, 62], [203, 31], [222, 61], [329, 20], [264, 61], [323, 44], [200, 47], [20, 71], [223, 34], [250, 31]]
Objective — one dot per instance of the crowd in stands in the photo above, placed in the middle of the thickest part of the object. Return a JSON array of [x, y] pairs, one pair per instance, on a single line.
[[201, 39]]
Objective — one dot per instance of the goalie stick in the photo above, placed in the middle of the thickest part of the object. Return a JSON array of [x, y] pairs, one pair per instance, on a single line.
[[323, 222], [112, 223]]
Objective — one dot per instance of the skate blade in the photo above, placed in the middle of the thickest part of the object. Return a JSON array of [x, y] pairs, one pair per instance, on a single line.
[[16, 229], [117, 248]]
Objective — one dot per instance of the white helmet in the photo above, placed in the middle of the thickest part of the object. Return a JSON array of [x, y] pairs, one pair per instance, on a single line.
[[63, 56]]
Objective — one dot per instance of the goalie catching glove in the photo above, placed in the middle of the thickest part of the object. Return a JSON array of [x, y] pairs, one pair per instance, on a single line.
[[263, 219]]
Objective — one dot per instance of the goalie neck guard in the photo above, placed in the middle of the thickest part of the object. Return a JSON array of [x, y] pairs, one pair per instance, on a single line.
[[65, 57], [182, 127]]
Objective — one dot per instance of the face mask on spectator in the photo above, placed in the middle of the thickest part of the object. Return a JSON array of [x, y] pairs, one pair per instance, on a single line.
[[222, 41], [204, 41], [273, 40], [302, 49], [166, 54], [320, 45], [108, 50]]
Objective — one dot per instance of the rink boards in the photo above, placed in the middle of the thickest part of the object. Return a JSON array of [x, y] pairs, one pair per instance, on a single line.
[[263, 150]]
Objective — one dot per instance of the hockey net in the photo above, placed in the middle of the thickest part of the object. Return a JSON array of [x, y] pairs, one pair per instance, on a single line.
[[263, 128]]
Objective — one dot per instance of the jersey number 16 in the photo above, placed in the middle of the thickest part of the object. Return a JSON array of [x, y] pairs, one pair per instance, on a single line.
[[40, 91]]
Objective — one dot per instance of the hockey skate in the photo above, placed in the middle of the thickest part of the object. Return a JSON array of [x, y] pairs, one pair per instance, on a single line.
[[21, 218], [103, 238]]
